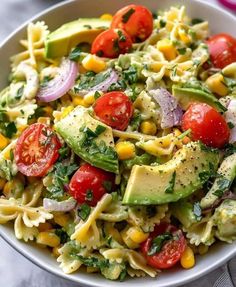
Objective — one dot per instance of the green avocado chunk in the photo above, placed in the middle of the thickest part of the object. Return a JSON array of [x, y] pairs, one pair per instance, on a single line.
[[226, 174], [185, 173], [187, 96], [89, 138], [84, 30]]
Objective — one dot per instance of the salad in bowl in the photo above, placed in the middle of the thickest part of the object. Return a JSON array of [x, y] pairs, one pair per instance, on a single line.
[[117, 138]]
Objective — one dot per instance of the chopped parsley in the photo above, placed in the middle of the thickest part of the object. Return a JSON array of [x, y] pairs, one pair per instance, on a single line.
[[10, 129], [231, 125], [127, 15], [196, 21], [171, 185], [158, 242], [89, 135], [182, 51], [131, 75], [64, 237], [75, 54], [97, 95], [107, 185], [162, 23], [84, 211], [120, 85], [197, 211], [223, 185], [122, 37]]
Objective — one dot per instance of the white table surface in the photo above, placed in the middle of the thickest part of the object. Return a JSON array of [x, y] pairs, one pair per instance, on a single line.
[[15, 270]]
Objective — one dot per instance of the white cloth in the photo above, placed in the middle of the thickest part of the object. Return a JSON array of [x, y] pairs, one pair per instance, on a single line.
[[15, 270]]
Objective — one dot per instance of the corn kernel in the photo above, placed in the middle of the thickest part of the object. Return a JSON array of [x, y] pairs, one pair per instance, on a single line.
[[61, 219], [106, 16], [2, 183], [48, 238], [202, 249], [48, 111], [66, 111], [184, 37], [78, 101], [187, 259], [44, 226], [3, 141], [167, 48], [137, 235], [89, 99], [148, 127], [55, 251], [127, 240], [93, 63], [44, 120], [217, 85], [125, 150]]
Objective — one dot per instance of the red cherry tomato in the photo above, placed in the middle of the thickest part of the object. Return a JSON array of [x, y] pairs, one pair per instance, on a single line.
[[170, 252], [111, 43], [222, 48], [90, 183], [206, 124], [136, 20], [36, 150], [114, 109]]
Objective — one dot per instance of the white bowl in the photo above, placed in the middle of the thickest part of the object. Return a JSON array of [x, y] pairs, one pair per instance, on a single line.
[[220, 21]]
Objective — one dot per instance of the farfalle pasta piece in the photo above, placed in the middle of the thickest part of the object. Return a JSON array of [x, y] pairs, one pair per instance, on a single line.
[[201, 232], [135, 273], [69, 263], [147, 217], [135, 259], [225, 221], [24, 232], [87, 233], [146, 106]]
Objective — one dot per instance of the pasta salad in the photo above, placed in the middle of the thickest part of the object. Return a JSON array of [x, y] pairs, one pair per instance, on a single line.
[[118, 141]]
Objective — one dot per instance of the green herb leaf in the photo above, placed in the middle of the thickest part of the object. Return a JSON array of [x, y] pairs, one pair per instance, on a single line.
[[20, 92], [131, 75], [97, 95], [89, 195], [84, 211], [62, 235], [197, 211], [182, 51], [10, 130], [120, 85], [196, 21], [123, 275], [127, 15], [75, 54], [107, 185], [170, 187], [223, 185], [231, 125], [122, 37], [162, 23], [158, 242]]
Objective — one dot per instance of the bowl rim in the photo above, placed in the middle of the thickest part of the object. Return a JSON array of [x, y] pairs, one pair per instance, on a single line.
[[85, 281]]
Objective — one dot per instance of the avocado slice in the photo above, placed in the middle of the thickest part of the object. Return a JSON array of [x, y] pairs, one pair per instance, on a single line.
[[80, 132], [187, 96], [185, 173], [69, 35], [226, 175]]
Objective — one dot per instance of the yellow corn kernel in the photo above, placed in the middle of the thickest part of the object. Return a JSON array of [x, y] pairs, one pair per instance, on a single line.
[[202, 249], [217, 85], [125, 150], [93, 63], [2, 183], [106, 16], [137, 235], [44, 120], [148, 127], [78, 101], [3, 141], [55, 251], [44, 226], [187, 259], [66, 111], [167, 48], [48, 111], [89, 99], [127, 240], [61, 219], [184, 37], [48, 238]]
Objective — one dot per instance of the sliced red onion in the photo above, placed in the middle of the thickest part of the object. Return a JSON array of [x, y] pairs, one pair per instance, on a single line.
[[103, 86], [63, 206], [170, 110], [61, 84], [230, 116]]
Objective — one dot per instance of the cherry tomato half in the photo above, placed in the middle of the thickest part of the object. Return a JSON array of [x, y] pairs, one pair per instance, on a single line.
[[111, 43], [206, 124], [136, 20], [90, 183], [171, 250], [222, 48], [114, 109], [36, 150]]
